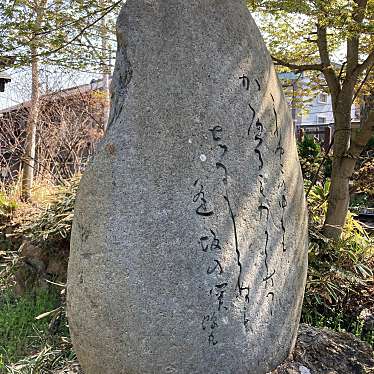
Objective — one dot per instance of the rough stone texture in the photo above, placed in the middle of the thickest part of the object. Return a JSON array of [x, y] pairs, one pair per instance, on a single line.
[[189, 245], [317, 351], [324, 351]]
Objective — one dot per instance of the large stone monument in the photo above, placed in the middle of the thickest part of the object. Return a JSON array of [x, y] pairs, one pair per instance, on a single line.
[[189, 244]]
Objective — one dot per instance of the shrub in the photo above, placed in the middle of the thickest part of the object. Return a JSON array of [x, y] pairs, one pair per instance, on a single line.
[[311, 157], [340, 276], [363, 179]]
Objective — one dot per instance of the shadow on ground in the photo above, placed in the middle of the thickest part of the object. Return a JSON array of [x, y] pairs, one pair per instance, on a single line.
[[317, 351], [324, 351]]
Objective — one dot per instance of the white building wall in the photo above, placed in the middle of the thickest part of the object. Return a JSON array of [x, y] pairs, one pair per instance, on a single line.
[[324, 110], [318, 109], [315, 108]]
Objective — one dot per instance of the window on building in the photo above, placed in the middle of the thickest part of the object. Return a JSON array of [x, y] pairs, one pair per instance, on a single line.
[[321, 120], [322, 97]]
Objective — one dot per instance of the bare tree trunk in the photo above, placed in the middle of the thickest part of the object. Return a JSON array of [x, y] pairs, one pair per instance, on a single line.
[[32, 120], [338, 200], [347, 149]]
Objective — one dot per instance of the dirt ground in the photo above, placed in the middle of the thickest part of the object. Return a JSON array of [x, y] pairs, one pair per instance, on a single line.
[[317, 351]]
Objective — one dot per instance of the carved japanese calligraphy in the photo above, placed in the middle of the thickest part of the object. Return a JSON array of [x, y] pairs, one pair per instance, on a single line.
[[197, 225]]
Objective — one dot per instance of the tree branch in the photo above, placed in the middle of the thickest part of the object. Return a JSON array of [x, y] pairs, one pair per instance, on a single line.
[[6, 61], [109, 9], [341, 70], [74, 22], [367, 64], [362, 83], [359, 141], [328, 70], [353, 45], [297, 67], [352, 54]]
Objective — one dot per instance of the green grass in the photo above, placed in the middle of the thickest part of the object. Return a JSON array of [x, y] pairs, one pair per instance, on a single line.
[[338, 321], [20, 332]]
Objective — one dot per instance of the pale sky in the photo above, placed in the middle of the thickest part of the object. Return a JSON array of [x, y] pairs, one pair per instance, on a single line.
[[55, 79], [52, 79]]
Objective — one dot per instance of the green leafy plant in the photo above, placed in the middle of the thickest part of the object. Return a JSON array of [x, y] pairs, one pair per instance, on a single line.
[[363, 180], [7, 205], [18, 327], [311, 157], [49, 348], [340, 275]]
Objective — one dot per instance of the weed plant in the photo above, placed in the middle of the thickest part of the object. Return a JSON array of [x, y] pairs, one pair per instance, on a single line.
[[7, 205], [20, 333], [338, 291], [53, 223], [340, 274], [29, 345]]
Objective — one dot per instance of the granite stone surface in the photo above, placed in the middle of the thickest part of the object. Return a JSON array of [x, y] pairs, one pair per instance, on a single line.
[[189, 242]]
